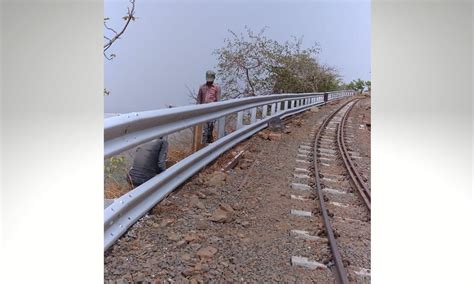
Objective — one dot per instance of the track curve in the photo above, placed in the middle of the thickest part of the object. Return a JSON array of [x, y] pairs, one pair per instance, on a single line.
[[345, 217]]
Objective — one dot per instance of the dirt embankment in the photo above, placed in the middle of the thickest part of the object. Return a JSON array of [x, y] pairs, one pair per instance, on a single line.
[[231, 227]]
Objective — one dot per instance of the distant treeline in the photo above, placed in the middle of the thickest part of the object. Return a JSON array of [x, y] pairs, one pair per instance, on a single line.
[[251, 64]]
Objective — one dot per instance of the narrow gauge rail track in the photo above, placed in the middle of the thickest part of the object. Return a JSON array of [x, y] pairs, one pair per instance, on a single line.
[[356, 177], [345, 217], [133, 129]]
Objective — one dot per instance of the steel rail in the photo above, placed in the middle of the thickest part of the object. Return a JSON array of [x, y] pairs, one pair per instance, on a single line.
[[127, 209], [132, 129], [362, 182], [341, 273], [353, 172]]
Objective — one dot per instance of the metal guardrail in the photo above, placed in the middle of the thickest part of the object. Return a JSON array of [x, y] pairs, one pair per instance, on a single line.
[[129, 130]]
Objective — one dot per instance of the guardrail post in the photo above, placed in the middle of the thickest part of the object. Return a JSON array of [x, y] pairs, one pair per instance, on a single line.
[[240, 118], [220, 127], [326, 97], [273, 108], [197, 138], [285, 105], [264, 111], [253, 115]]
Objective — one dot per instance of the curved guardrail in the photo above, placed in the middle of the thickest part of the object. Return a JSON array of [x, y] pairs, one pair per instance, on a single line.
[[129, 130]]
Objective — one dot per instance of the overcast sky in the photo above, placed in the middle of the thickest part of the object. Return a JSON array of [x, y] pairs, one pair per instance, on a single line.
[[171, 44]]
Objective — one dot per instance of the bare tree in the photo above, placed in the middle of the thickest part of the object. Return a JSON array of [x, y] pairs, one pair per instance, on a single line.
[[244, 63], [252, 64], [192, 94], [112, 35]]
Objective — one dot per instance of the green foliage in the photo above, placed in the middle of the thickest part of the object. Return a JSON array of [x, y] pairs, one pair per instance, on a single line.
[[252, 65], [244, 64], [358, 85], [301, 72], [115, 165]]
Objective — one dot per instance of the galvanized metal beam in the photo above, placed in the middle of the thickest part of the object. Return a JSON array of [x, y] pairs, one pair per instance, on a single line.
[[126, 131]]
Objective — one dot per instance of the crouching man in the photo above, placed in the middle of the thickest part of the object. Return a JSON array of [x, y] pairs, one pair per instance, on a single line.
[[149, 161]]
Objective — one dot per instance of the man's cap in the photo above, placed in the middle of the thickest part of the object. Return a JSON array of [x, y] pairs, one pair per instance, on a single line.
[[210, 75]]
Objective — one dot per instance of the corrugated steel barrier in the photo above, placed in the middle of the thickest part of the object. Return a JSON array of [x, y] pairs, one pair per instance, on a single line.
[[132, 129]]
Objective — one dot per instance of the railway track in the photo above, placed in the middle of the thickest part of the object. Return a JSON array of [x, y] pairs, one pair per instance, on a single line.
[[260, 234], [344, 199]]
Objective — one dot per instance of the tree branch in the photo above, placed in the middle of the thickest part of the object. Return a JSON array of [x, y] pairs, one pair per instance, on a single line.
[[128, 18], [110, 29], [249, 81], [191, 93]]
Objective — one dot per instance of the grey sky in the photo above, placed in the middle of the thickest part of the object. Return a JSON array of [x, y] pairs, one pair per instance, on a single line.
[[171, 43]]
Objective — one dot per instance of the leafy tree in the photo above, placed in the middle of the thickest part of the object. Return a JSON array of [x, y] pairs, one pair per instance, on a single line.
[[252, 65], [245, 64], [368, 84], [357, 85]]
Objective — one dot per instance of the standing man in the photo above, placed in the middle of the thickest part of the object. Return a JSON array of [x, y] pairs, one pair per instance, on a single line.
[[149, 161], [209, 93]]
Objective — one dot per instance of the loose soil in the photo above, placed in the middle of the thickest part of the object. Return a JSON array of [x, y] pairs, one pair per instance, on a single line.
[[231, 227]]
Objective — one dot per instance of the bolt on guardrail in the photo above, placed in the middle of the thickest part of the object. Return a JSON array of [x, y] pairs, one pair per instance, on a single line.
[[132, 129]]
